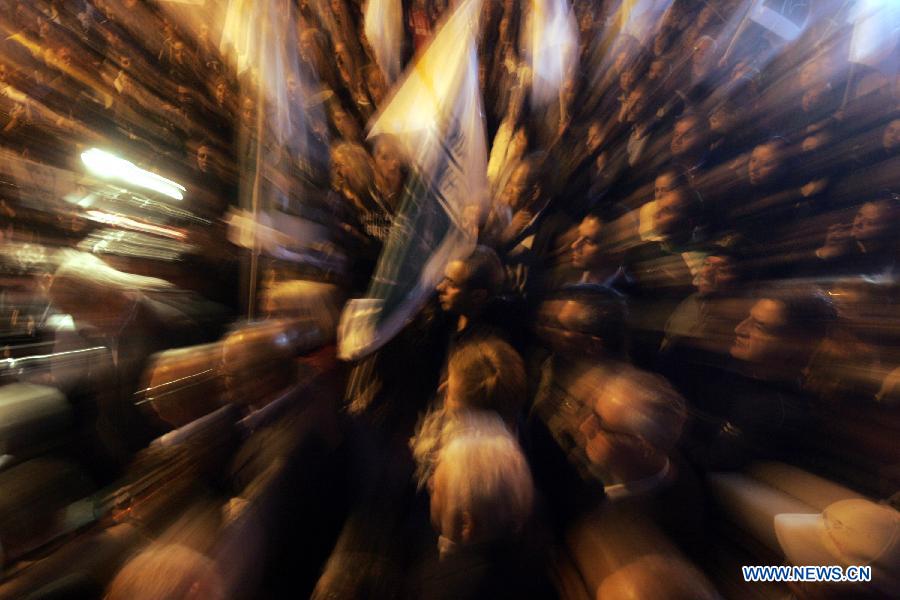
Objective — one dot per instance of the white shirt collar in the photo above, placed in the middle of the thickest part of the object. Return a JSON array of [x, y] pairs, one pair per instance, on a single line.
[[619, 491]]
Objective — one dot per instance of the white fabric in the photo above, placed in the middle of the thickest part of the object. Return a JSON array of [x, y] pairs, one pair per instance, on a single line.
[[876, 29], [551, 43], [384, 30], [437, 115]]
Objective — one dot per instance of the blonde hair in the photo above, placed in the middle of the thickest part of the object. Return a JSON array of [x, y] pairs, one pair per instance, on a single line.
[[484, 475], [361, 177], [491, 376]]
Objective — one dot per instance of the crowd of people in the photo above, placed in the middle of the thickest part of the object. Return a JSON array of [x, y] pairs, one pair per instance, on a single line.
[[675, 332]]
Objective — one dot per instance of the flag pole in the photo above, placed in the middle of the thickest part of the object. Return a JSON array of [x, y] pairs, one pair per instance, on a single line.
[[254, 200], [850, 77]]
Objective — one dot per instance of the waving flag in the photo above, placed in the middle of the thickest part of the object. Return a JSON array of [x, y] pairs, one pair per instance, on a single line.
[[262, 34], [551, 42], [876, 28], [384, 30], [784, 18], [437, 115]]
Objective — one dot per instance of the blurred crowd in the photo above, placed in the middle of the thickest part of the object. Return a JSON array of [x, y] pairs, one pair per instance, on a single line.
[[674, 350]]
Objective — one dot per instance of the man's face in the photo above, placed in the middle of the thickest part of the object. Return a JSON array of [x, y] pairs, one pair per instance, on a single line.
[[813, 97], [890, 139], [293, 89], [594, 136], [376, 85], [765, 160], [339, 166], [721, 120], [306, 47], [686, 138], [221, 92], [517, 188], [663, 184], [178, 52], [627, 79], [64, 56], [607, 440], [635, 104], [453, 294], [345, 124], [586, 249], [559, 325], [600, 163], [760, 337], [813, 142], [872, 222], [716, 275], [657, 68], [703, 56], [203, 158], [389, 162], [248, 111], [184, 96], [670, 216]]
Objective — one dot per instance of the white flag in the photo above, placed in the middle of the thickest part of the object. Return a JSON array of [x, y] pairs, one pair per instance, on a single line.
[[551, 43], [785, 18], [384, 30], [262, 34], [436, 114], [876, 28]]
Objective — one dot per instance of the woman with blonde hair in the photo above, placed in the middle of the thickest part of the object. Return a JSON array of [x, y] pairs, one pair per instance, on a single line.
[[483, 376]]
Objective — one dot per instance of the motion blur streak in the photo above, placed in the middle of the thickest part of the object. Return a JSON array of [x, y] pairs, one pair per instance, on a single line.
[[456, 299]]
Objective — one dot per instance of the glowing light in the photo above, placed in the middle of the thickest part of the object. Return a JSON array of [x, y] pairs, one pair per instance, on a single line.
[[120, 221], [107, 166]]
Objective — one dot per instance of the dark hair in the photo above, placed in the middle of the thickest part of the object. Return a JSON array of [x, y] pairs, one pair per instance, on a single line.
[[808, 311], [604, 313], [692, 207], [484, 271]]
